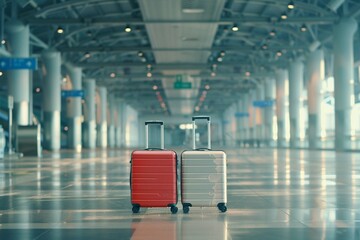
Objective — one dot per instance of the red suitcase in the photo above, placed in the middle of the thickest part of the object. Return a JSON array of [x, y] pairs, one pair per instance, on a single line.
[[153, 175]]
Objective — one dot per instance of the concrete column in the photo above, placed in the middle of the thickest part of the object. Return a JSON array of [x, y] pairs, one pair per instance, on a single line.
[[269, 111], [238, 122], [19, 80], [344, 75], [281, 77], [119, 138], [101, 119], [260, 96], [245, 119], [316, 74], [74, 115], [111, 121], [296, 78], [52, 99], [89, 125], [252, 117]]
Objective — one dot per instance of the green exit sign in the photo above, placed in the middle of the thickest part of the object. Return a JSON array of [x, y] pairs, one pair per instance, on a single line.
[[182, 85]]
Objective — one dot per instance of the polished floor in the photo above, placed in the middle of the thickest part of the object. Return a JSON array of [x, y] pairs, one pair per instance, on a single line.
[[272, 194]]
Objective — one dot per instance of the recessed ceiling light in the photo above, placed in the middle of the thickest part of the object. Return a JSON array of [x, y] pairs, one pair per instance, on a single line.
[[279, 53], [87, 55], [213, 74], [127, 28], [247, 74], [219, 59], [140, 53], [284, 16], [222, 53], [112, 75], [264, 46], [60, 30], [155, 87], [272, 33], [235, 28], [1, 73], [291, 5], [303, 28], [149, 74], [207, 86], [3, 41], [193, 10]]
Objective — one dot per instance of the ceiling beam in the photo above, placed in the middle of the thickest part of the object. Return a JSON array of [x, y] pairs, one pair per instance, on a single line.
[[226, 21], [106, 49]]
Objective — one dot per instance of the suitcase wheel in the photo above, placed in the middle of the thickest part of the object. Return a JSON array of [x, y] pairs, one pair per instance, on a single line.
[[173, 209], [222, 207], [135, 208], [186, 207]]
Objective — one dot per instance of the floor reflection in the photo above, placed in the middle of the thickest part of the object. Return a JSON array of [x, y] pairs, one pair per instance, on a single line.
[[272, 194]]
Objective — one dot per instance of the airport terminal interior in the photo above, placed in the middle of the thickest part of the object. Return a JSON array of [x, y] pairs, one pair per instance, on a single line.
[[279, 79]]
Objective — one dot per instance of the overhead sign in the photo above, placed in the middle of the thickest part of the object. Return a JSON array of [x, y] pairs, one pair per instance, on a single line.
[[262, 104], [72, 93], [18, 63], [241, 114], [182, 85]]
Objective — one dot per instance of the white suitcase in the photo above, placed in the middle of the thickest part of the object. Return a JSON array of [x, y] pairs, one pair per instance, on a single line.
[[203, 175]]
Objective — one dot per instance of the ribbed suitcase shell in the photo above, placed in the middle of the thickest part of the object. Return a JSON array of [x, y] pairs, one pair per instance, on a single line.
[[203, 178], [153, 178]]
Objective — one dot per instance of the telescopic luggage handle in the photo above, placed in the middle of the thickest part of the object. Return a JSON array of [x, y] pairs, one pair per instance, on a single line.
[[154, 122], [194, 118]]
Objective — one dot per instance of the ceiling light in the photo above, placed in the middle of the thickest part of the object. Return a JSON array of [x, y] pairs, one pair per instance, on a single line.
[[222, 53], [247, 74], [279, 53], [264, 46], [87, 55], [291, 5], [303, 28], [155, 87], [112, 75], [284, 16], [127, 28], [272, 33], [149, 74], [235, 28], [64, 79], [207, 86], [1, 73], [213, 74], [193, 10], [219, 59], [3, 42], [37, 90], [60, 30], [140, 53], [66, 128], [197, 108]]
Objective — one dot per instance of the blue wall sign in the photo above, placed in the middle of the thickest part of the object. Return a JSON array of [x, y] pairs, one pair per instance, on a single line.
[[72, 93], [265, 103], [241, 114], [18, 63]]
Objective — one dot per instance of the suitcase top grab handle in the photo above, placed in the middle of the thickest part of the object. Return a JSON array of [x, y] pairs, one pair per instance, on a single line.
[[154, 122], [194, 118]]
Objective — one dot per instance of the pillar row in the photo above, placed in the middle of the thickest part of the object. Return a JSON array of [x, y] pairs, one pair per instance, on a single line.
[[343, 75], [281, 77], [51, 104], [18, 36], [89, 125], [102, 119], [316, 74], [296, 78], [74, 114]]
